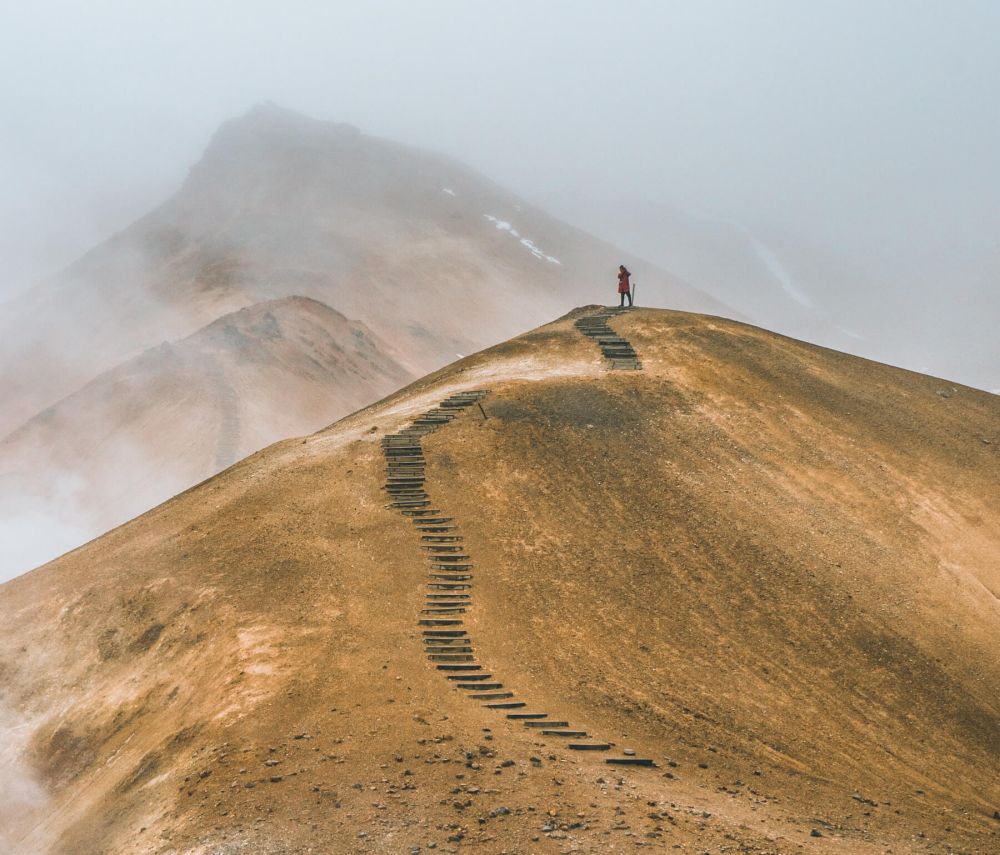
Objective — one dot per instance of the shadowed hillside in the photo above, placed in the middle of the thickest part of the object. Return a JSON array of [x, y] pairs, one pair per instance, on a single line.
[[149, 428], [768, 567]]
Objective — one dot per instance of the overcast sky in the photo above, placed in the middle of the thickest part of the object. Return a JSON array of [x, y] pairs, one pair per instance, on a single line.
[[863, 126]]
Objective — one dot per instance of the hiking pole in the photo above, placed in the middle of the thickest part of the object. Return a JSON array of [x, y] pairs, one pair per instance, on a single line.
[[633, 294]]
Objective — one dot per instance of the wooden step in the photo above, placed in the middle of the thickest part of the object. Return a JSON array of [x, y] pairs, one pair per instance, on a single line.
[[629, 761]]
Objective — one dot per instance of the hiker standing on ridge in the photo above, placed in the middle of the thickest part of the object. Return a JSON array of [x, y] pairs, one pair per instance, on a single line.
[[624, 289]]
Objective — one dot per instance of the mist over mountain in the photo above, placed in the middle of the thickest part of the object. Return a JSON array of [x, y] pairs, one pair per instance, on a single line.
[[327, 525], [433, 260], [152, 426], [903, 308]]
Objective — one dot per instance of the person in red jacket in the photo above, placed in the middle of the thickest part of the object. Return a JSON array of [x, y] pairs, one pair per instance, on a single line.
[[624, 289]]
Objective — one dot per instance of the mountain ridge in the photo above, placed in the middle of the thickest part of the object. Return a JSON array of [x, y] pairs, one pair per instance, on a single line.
[[764, 564], [434, 259], [163, 420], [218, 244]]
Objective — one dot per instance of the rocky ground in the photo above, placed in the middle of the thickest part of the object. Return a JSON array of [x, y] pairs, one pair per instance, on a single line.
[[765, 566]]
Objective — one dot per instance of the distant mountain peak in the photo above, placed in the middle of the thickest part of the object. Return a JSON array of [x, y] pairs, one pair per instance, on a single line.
[[267, 124]]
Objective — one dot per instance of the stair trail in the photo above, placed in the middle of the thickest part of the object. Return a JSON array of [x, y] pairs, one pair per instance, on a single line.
[[615, 348], [447, 644]]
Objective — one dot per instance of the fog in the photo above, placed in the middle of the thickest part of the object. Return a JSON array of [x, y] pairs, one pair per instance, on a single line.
[[828, 170], [869, 128], [22, 799]]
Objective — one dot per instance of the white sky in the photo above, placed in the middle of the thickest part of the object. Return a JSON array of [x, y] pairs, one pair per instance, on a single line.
[[863, 126]]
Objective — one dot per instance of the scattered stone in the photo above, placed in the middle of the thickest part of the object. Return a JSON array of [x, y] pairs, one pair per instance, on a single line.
[[276, 779], [271, 762], [629, 752], [815, 833]]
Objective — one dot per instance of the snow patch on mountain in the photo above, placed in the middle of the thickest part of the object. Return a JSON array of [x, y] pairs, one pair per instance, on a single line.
[[536, 251], [851, 334], [778, 271]]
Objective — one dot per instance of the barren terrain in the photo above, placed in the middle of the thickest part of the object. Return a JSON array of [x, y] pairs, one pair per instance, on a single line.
[[769, 567]]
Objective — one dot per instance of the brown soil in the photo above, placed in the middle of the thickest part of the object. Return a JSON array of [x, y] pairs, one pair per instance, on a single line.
[[768, 566]]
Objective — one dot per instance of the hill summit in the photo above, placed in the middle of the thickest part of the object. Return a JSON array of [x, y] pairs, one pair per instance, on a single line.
[[764, 567], [431, 259]]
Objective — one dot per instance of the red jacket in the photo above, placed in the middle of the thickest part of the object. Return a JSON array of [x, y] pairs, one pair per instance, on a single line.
[[623, 286]]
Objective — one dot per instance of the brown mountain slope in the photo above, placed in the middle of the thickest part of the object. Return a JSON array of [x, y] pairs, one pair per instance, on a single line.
[[282, 204], [767, 566], [179, 413]]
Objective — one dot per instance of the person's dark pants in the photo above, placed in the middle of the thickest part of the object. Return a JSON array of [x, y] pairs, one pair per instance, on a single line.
[[625, 294]]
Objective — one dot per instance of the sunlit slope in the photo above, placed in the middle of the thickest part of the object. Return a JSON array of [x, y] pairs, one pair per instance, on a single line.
[[754, 543], [769, 564]]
